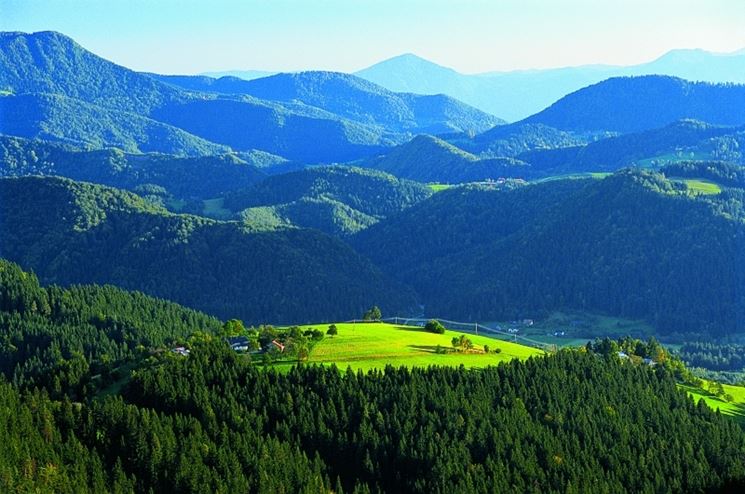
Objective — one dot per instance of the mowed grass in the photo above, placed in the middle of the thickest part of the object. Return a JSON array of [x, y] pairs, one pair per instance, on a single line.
[[734, 408], [703, 187], [438, 187], [374, 345]]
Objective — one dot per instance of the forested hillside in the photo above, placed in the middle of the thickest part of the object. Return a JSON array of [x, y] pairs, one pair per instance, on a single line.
[[52, 88], [633, 244], [214, 423], [677, 141], [59, 339], [71, 232], [63, 119], [512, 140], [355, 99], [196, 177], [430, 159], [633, 104], [337, 200], [86, 97]]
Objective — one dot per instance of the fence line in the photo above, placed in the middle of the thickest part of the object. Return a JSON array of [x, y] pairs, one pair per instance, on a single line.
[[470, 327]]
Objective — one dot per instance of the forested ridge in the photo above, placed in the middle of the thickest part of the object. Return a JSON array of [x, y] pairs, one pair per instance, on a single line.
[[633, 244], [633, 104], [147, 350], [73, 232], [430, 159], [57, 339], [214, 421], [338, 200], [201, 177]]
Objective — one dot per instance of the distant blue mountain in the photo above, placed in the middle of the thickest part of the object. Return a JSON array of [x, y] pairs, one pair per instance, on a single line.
[[517, 94], [246, 75], [81, 98], [633, 104], [353, 98]]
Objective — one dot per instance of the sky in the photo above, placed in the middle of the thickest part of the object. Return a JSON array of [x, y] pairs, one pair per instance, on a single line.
[[471, 36]]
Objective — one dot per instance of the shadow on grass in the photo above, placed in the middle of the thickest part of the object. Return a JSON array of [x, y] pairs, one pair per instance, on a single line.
[[738, 415], [432, 349], [444, 350], [415, 329], [736, 411]]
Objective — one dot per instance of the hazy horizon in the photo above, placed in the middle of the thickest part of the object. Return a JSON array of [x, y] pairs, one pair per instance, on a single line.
[[475, 36]]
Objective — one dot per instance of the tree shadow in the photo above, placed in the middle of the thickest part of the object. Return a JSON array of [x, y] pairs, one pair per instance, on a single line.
[[415, 329], [431, 348], [738, 415]]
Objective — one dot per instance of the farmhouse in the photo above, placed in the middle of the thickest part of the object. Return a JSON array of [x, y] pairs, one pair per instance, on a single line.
[[238, 343]]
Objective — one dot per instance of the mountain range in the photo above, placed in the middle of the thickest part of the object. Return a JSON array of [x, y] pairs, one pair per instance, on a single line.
[[184, 261], [239, 155], [517, 94], [52, 88]]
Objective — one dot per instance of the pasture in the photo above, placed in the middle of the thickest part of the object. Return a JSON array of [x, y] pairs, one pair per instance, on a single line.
[[734, 408], [374, 345]]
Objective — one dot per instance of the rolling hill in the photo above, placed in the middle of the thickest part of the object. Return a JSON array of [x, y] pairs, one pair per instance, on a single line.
[[247, 123], [429, 159], [200, 177], [50, 62], [682, 140], [337, 200], [72, 232], [63, 119], [515, 139], [634, 104], [634, 244], [376, 345]]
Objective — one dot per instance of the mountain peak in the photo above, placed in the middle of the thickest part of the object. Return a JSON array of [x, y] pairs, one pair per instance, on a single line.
[[405, 61]]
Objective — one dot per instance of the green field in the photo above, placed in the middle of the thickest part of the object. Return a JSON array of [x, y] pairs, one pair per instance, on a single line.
[[703, 187], [438, 187], [375, 345], [734, 408], [213, 208]]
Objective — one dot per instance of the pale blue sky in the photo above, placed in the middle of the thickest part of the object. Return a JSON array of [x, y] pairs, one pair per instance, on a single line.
[[189, 36]]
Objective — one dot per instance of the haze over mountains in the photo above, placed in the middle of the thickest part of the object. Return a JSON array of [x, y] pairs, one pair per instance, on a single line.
[[517, 94], [55, 89], [268, 215], [294, 167]]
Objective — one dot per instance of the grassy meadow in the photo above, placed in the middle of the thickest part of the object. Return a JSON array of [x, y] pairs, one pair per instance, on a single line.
[[734, 408], [375, 345], [438, 187], [704, 187]]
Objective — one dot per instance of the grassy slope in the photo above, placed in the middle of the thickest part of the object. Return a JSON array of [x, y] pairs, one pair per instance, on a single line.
[[735, 408], [374, 345], [703, 187]]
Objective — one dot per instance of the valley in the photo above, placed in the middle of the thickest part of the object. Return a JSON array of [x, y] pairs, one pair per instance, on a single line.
[[170, 241]]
